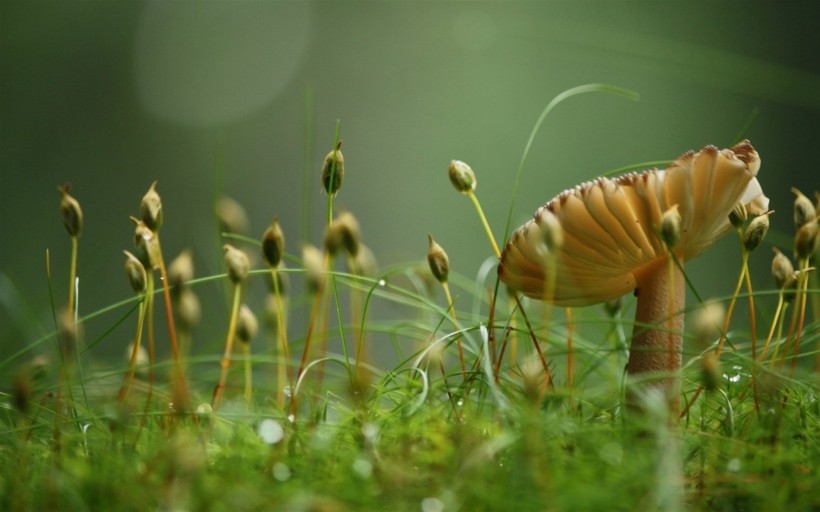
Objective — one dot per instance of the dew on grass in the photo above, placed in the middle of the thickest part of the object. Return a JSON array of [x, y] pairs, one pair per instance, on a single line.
[[382, 282], [432, 505], [370, 431], [291, 418], [733, 465], [363, 468], [735, 377], [270, 431], [281, 472]]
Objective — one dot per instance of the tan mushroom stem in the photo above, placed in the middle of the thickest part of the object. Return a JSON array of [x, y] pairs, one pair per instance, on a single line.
[[657, 341]]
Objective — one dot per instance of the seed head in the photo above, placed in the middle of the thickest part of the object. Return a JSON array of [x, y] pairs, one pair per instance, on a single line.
[[246, 324], [237, 264], [462, 176], [738, 215], [438, 260], [806, 240], [756, 231], [333, 170], [803, 209], [136, 272], [71, 211], [365, 262], [670, 226], [146, 243], [181, 271], [711, 373], [343, 233], [273, 243], [782, 268], [151, 208], [708, 322], [314, 268], [188, 309], [231, 216]]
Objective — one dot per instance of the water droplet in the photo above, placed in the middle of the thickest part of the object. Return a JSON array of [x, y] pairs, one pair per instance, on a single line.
[[382, 282], [281, 472], [370, 431], [270, 431], [291, 418], [432, 505], [363, 468], [733, 465]]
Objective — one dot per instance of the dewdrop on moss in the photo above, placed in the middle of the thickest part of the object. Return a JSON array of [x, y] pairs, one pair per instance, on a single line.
[[246, 324], [151, 208], [438, 260], [136, 272], [803, 209], [71, 211], [237, 264], [273, 243], [333, 170], [462, 176]]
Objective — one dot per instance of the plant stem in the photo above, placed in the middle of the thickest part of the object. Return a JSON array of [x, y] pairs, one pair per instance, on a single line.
[[226, 358], [653, 352], [132, 362], [484, 223]]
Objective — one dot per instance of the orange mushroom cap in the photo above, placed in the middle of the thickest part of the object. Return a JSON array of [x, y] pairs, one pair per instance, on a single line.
[[610, 226]]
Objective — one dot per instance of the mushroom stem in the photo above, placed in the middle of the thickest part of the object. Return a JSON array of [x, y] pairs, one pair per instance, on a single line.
[[657, 334]]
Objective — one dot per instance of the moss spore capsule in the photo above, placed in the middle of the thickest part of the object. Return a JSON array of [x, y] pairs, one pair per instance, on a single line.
[[461, 176], [806, 240], [438, 260], [71, 211], [804, 211], [756, 231], [237, 264], [273, 243], [136, 272], [181, 271], [670, 227], [246, 324], [782, 268], [151, 208], [333, 170], [738, 215]]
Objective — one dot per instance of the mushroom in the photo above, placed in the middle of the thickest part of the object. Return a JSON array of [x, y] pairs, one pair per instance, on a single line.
[[612, 245]]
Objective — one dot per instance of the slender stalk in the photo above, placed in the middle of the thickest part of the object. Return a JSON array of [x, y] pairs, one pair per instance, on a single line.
[[149, 307], [226, 358], [451, 307], [311, 325], [283, 361], [132, 361], [484, 223], [753, 336], [777, 319], [180, 387], [72, 275], [801, 296], [569, 355], [246, 354]]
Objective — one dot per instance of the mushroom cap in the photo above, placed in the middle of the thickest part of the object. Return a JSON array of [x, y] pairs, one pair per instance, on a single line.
[[610, 226]]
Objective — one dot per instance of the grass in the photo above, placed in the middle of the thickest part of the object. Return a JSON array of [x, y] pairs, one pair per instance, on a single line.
[[415, 429]]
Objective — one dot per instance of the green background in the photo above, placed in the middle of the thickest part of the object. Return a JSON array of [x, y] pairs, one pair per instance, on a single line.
[[110, 96]]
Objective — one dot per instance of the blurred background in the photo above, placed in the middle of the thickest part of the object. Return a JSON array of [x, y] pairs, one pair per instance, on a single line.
[[242, 99]]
